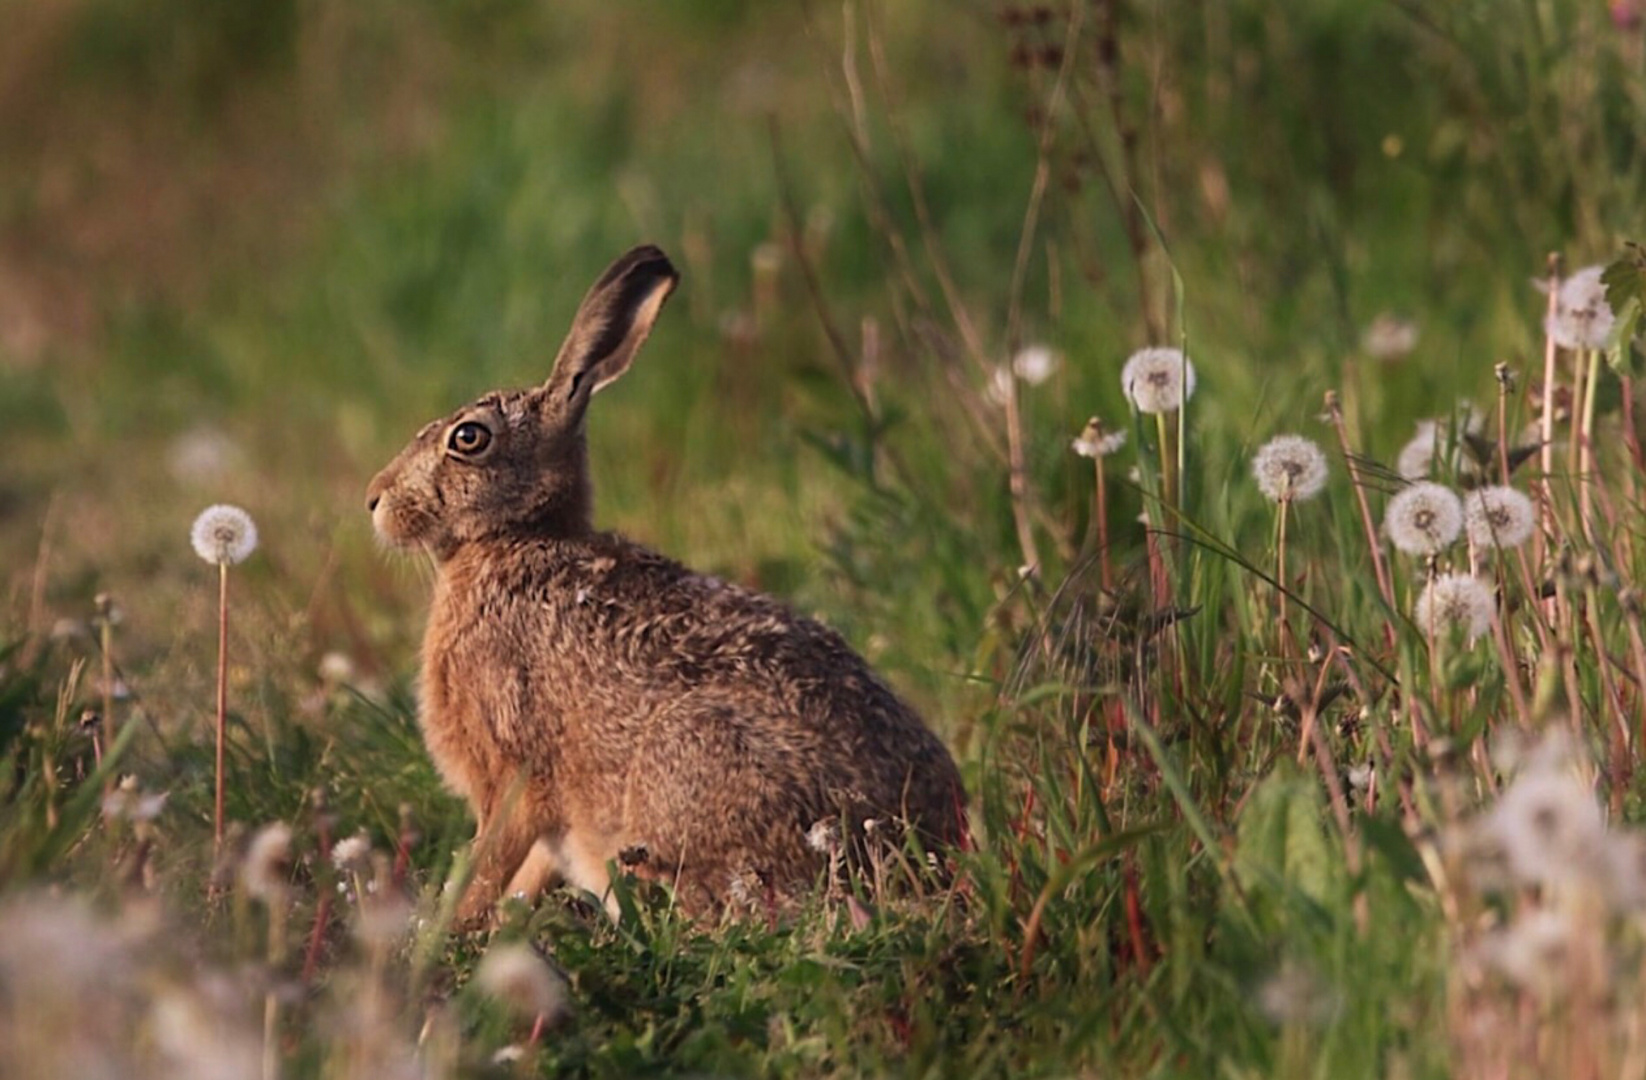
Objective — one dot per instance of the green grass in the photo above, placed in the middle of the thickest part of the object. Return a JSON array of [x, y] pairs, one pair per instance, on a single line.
[[334, 222]]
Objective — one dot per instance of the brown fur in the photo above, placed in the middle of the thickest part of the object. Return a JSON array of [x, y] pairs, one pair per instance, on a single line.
[[596, 702]]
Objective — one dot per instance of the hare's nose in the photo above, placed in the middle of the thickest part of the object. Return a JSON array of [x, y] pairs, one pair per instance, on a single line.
[[372, 501]]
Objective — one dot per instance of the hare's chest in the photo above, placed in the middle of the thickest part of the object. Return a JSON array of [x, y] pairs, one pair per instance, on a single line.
[[459, 742]]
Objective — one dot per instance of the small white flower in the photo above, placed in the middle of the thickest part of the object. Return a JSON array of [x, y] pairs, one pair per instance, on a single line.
[[224, 535], [263, 874], [1455, 600], [352, 855], [1550, 828], [1424, 518], [1290, 468], [1095, 442], [1389, 337], [517, 976], [1582, 318], [1498, 517], [1034, 364], [1158, 380]]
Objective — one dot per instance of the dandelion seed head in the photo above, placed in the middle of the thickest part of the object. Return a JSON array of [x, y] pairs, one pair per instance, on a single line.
[[336, 668], [384, 917], [130, 803], [1290, 468], [1294, 995], [1456, 600], [202, 456], [1158, 380], [1498, 516], [1582, 318], [263, 874], [1389, 338], [517, 976], [1417, 458], [202, 1032], [1550, 828], [823, 837], [1034, 364], [1535, 952], [352, 855], [1424, 518], [224, 535], [1096, 442]]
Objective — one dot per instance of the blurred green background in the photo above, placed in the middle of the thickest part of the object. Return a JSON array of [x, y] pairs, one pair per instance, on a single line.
[[246, 250]]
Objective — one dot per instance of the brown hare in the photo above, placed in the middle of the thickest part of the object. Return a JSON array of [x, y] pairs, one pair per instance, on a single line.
[[599, 704]]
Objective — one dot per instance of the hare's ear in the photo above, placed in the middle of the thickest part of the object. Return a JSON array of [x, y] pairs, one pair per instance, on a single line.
[[611, 325]]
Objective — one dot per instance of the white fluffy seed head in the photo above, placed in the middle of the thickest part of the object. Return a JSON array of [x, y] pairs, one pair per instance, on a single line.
[[223, 535], [1550, 828], [1456, 600], [352, 855], [1424, 518], [517, 976], [268, 862], [1289, 468], [823, 837], [1582, 318], [1389, 337], [1158, 380], [1498, 517], [1417, 457], [1034, 364], [1096, 441]]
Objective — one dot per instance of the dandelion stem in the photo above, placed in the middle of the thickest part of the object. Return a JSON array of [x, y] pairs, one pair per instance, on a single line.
[[271, 1000], [1586, 446], [1018, 480], [1101, 510], [1384, 586], [1163, 433], [1282, 646], [1547, 428], [222, 692], [105, 642]]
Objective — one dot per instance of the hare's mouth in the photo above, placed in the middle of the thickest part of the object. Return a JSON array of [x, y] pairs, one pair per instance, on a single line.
[[397, 526]]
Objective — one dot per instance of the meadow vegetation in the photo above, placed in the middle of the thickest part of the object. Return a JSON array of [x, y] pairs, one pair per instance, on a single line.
[[1298, 742]]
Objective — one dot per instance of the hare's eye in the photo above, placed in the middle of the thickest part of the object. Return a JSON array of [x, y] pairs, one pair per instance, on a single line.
[[469, 438]]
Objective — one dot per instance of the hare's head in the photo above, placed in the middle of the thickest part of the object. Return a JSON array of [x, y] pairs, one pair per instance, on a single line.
[[515, 462]]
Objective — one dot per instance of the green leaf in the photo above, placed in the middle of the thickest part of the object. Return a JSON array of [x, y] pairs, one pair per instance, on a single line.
[[1621, 356], [1280, 837], [1625, 278]]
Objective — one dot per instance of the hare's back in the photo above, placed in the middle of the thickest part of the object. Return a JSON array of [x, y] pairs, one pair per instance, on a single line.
[[794, 690]]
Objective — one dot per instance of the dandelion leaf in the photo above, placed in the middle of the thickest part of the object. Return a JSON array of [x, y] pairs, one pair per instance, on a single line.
[[1625, 281], [1281, 852]]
